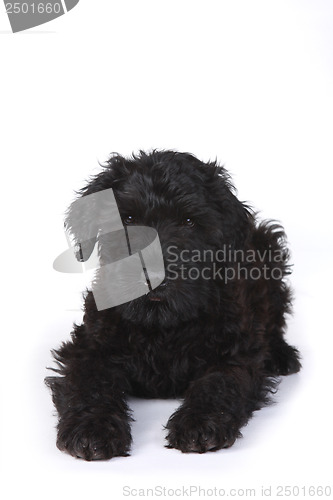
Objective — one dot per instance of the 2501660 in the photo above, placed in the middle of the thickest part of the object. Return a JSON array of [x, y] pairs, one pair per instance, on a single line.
[[302, 491], [33, 8]]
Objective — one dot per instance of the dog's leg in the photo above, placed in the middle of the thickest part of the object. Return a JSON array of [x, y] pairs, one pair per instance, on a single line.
[[215, 408], [284, 358], [94, 419]]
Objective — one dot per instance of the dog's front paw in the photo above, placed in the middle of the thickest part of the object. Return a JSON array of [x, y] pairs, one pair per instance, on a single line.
[[194, 431], [94, 438]]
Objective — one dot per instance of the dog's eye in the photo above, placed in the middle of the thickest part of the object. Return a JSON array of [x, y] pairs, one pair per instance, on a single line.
[[188, 222], [129, 219]]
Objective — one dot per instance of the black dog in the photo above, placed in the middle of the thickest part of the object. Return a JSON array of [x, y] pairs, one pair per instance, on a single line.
[[211, 333]]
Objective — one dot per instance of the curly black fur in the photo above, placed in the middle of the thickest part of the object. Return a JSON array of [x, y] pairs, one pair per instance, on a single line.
[[218, 343]]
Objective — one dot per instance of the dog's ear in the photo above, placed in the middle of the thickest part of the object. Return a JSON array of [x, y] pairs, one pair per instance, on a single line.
[[238, 219], [80, 224], [242, 221], [84, 217]]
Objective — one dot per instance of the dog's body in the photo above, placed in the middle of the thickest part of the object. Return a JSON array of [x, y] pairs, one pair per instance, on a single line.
[[214, 341]]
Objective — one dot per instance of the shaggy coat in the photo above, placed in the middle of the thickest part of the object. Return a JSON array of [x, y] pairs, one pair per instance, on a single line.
[[212, 333]]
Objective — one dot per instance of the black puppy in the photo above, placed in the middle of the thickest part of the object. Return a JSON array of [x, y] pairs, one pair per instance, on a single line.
[[211, 333]]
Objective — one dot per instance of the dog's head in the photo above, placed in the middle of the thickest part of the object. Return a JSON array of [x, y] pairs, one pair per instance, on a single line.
[[192, 206]]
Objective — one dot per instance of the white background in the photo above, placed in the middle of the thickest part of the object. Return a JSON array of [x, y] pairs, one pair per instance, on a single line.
[[248, 82]]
